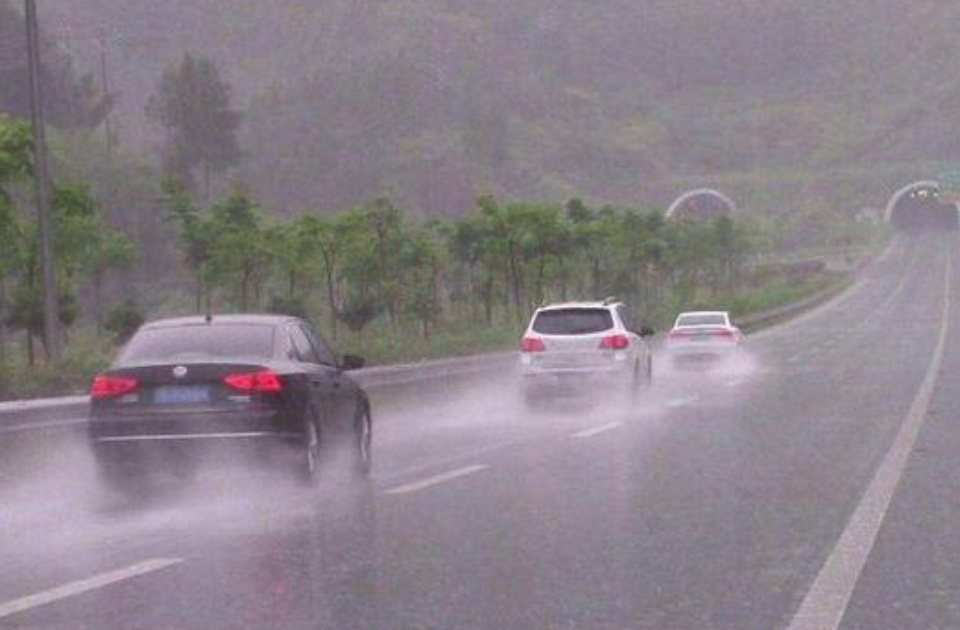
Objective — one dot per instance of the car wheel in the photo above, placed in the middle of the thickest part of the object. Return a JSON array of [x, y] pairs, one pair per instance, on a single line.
[[309, 464], [530, 396], [648, 376], [635, 384], [127, 481], [363, 446]]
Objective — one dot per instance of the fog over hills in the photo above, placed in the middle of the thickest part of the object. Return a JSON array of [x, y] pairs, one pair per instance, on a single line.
[[435, 101]]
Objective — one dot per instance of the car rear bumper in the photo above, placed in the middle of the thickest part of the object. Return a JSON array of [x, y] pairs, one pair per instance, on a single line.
[[574, 379], [178, 444], [701, 350], [170, 441], [188, 426]]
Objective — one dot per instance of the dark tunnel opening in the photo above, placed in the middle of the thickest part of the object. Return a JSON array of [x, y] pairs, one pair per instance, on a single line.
[[922, 210]]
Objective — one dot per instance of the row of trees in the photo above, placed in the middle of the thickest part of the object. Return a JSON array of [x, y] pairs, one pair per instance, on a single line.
[[490, 266], [85, 247]]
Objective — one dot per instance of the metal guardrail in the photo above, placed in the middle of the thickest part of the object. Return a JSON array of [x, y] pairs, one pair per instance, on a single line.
[[58, 413], [46, 413]]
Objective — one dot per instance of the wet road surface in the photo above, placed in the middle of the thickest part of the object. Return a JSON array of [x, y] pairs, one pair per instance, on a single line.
[[716, 501]]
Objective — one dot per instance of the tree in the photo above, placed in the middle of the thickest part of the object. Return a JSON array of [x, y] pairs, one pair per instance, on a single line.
[[192, 103], [16, 150], [123, 320], [421, 261], [69, 100], [384, 223], [86, 246], [240, 253], [328, 238], [197, 234]]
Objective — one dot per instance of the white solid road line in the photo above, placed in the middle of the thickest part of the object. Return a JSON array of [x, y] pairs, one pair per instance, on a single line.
[[83, 586], [437, 479], [603, 428], [826, 603]]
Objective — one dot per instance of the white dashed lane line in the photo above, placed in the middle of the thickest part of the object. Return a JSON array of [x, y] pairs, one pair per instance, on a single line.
[[83, 586], [423, 484], [681, 402], [603, 428]]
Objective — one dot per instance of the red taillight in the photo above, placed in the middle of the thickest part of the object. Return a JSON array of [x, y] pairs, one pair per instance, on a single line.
[[723, 334], [614, 342], [531, 344], [259, 382], [108, 386]]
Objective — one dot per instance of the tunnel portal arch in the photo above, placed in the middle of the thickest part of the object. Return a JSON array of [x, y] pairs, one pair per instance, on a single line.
[[700, 203], [918, 207]]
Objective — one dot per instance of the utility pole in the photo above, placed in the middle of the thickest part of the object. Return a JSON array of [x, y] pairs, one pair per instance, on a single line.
[[104, 84], [41, 177]]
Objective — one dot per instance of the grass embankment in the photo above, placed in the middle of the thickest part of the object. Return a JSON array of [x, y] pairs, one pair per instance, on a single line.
[[88, 352]]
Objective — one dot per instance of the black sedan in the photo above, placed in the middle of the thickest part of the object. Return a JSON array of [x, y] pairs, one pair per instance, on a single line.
[[183, 390]]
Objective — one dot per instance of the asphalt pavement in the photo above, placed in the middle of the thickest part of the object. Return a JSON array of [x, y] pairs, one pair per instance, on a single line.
[[765, 493]]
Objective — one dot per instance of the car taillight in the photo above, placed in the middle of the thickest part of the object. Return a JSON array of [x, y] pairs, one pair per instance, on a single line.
[[723, 334], [259, 382], [614, 342], [531, 344], [108, 386]]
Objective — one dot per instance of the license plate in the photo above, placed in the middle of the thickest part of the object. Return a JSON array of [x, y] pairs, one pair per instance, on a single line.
[[701, 338], [181, 395]]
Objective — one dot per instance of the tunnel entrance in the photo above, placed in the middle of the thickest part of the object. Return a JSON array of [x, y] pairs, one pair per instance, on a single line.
[[703, 203], [918, 207]]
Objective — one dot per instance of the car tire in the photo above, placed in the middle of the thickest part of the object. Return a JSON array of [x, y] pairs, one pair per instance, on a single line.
[[126, 481], [648, 375], [308, 459], [363, 443], [530, 396]]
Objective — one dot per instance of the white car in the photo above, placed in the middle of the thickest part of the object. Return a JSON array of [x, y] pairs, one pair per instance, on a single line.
[[703, 336], [578, 344]]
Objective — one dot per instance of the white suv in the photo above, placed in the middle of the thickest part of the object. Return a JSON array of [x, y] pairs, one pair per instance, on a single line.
[[576, 343]]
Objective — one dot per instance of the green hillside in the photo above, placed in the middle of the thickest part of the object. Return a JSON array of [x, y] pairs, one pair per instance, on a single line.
[[623, 101]]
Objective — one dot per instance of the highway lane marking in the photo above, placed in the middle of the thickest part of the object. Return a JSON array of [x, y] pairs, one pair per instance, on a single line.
[[680, 402], [82, 586], [603, 428], [886, 304], [48, 424], [422, 484], [826, 602], [474, 454]]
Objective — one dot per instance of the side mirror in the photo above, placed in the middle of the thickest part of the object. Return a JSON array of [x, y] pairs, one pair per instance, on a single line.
[[351, 362], [646, 331]]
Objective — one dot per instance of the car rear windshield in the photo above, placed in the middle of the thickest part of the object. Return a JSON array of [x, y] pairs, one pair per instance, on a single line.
[[220, 341], [702, 320], [573, 321]]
